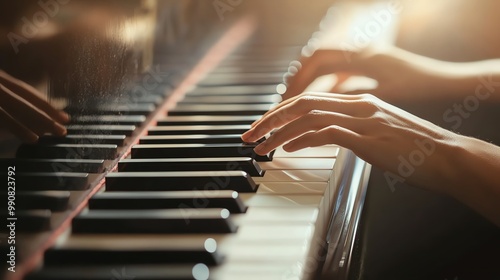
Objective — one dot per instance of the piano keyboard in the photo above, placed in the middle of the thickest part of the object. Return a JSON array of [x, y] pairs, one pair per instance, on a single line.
[[190, 201]]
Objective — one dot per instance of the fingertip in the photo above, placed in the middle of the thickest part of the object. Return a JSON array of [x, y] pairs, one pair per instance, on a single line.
[[260, 149], [64, 117], [247, 136], [30, 138], [289, 147], [59, 130]]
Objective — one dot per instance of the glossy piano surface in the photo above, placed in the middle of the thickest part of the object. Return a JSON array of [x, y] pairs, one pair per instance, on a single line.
[[133, 74]]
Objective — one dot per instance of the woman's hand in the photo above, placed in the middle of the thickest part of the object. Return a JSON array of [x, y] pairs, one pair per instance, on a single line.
[[25, 113], [409, 148], [400, 75], [374, 130]]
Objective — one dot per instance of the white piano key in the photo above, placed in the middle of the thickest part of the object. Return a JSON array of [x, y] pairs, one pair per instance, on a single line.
[[290, 200], [267, 215], [292, 188], [302, 164], [76, 241], [261, 271], [295, 176], [293, 232], [329, 151], [264, 252]]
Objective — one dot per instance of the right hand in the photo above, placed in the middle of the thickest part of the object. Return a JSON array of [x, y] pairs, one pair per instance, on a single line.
[[25, 113], [395, 70]]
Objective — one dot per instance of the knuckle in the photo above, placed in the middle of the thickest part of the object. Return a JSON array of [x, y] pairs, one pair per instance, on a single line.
[[302, 95], [368, 103], [332, 130], [367, 96], [379, 118], [302, 100], [314, 113]]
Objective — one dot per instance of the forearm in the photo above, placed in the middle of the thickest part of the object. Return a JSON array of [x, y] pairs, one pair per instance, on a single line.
[[451, 80], [475, 169]]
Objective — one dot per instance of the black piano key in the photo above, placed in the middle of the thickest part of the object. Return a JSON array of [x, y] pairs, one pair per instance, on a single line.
[[242, 99], [74, 151], [198, 129], [191, 139], [51, 200], [113, 119], [180, 181], [154, 221], [26, 220], [229, 200], [197, 151], [111, 255], [246, 164], [251, 69], [115, 109], [231, 79], [255, 62], [109, 272], [219, 110], [38, 181], [84, 139], [59, 165], [207, 120], [153, 98], [101, 129], [234, 90]]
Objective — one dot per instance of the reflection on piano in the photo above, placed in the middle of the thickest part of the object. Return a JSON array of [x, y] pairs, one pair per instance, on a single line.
[[153, 181]]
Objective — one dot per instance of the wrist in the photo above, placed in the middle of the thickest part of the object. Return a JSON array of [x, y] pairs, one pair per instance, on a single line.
[[474, 167]]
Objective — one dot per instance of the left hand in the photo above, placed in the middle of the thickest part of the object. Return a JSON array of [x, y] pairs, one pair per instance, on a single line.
[[25, 113]]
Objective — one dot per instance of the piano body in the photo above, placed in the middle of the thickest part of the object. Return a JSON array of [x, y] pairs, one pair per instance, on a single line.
[[153, 181]]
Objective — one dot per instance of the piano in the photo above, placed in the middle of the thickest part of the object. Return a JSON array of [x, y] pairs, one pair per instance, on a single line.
[[152, 180]]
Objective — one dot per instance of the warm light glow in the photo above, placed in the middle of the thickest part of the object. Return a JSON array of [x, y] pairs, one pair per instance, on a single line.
[[210, 245], [200, 272], [281, 88]]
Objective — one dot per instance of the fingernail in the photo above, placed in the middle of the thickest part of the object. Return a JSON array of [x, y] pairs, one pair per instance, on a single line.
[[290, 147], [60, 130], [65, 117], [32, 138], [260, 148], [247, 136]]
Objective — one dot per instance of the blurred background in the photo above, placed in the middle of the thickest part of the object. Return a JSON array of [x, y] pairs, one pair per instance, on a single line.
[[75, 51]]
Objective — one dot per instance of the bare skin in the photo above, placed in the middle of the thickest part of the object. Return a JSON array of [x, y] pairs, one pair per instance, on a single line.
[[25, 113], [401, 75], [381, 134]]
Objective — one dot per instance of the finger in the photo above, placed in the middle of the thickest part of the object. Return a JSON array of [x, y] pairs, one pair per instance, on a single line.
[[305, 96], [17, 128], [315, 120], [333, 134], [322, 62], [28, 115], [31, 95], [357, 92], [289, 111]]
